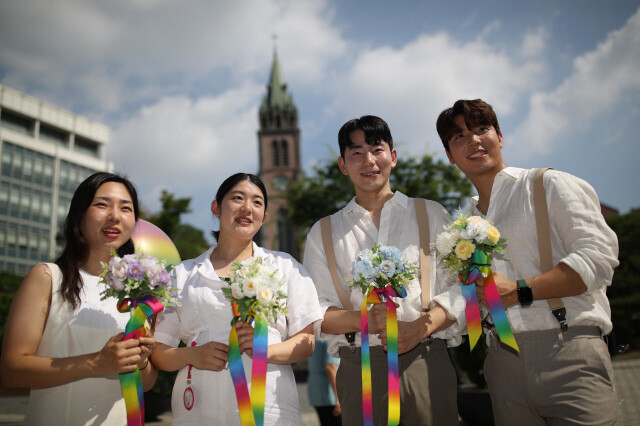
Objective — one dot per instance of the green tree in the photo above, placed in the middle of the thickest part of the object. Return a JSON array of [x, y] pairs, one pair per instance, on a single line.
[[327, 190], [624, 293], [189, 240]]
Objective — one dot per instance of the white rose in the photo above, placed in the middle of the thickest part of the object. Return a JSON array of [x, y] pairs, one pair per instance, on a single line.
[[119, 271], [265, 295], [249, 287], [236, 291], [445, 242]]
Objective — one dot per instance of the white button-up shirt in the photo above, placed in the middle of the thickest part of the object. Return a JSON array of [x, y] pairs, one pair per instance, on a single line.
[[580, 238], [353, 230]]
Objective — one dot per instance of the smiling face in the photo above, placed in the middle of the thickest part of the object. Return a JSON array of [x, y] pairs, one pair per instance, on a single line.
[[368, 166], [477, 151], [110, 218], [241, 212]]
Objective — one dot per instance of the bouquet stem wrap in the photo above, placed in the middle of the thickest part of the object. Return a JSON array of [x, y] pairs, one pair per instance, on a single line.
[[374, 296], [480, 264], [251, 408], [131, 383]]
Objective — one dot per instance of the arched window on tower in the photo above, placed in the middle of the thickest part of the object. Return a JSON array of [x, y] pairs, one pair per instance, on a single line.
[[284, 146], [275, 153]]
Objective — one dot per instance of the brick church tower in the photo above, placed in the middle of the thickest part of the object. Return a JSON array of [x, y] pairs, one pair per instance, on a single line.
[[279, 156]]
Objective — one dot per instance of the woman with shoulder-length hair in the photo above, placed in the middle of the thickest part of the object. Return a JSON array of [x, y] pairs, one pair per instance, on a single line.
[[61, 339], [202, 319]]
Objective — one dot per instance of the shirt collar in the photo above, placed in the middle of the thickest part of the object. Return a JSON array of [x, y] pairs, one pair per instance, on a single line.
[[506, 173], [398, 198], [205, 267]]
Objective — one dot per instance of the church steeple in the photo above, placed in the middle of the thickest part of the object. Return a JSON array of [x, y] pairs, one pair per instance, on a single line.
[[279, 153], [277, 110]]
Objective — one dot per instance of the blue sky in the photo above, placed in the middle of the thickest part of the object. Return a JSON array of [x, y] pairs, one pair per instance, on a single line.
[[179, 83]]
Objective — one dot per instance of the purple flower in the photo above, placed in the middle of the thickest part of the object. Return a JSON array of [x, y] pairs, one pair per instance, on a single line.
[[116, 284], [130, 258], [135, 271]]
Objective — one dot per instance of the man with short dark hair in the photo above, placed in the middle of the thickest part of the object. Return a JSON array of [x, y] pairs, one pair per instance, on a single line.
[[562, 373], [428, 386]]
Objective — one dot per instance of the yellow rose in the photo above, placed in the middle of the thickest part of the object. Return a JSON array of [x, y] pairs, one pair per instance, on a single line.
[[493, 234], [465, 249]]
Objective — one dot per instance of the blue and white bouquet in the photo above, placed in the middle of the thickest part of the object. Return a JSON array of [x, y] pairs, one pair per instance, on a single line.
[[380, 267]]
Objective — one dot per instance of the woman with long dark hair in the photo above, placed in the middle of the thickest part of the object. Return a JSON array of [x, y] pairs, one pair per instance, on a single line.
[[62, 340], [204, 392]]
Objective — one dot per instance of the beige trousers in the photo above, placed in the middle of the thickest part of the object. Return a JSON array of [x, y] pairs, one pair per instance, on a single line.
[[556, 379], [428, 386]]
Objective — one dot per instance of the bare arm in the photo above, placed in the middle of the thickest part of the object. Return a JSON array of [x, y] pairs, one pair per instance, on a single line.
[[410, 333], [210, 356], [560, 281], [340, 321], [332, 370], [25, 326], [297, 347]]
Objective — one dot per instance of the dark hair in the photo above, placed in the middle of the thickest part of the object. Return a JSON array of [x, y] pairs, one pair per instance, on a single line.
[[475, 113], [375, 131], [232, 181], [76, 251]]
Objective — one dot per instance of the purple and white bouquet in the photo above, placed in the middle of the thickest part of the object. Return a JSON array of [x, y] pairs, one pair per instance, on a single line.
[[380, 267], [134, 276], [256, 289]]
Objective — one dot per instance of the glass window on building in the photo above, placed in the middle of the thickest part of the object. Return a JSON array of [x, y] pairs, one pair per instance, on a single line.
[[87, 146], [4, 197], [48, 171], [45, 211], [38, 168], [6, 158], [27, 166], [54, 135], [16, 122], [16, 162], [25, 203], [14, 201]]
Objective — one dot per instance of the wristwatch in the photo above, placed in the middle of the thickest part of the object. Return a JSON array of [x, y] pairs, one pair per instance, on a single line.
[[525, 295]]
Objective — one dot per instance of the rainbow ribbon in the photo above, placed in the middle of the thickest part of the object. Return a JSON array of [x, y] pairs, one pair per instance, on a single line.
[[481, 265], [374, 296], [251, 408], [131, 383]]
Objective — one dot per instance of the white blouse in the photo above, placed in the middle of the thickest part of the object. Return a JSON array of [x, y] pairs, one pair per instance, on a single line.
[[203, 314]]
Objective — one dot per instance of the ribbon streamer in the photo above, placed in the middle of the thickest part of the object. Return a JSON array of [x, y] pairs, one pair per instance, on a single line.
[[131, 383], [375, 296], [481, 265], [251, 408]]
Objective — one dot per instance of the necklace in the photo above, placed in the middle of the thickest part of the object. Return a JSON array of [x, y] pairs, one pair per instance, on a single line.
[[188, 396]]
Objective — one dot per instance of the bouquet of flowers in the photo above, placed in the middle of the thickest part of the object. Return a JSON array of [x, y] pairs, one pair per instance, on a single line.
[[256, 288], [141, 284], [380, 267], [462, 237], [464, 248], [134, 276]]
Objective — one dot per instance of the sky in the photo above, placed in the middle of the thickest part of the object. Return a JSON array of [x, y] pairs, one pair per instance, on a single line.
[[179, 83]]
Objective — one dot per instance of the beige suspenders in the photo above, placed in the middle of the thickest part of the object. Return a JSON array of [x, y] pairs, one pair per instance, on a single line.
[[425, 261], [543, 229]]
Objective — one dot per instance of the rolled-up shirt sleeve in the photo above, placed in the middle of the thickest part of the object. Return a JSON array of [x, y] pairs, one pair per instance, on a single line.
[[315, 261], [589, 244]]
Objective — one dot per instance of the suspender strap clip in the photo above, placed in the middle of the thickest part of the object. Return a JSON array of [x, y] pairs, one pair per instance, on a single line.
[[561, 315]]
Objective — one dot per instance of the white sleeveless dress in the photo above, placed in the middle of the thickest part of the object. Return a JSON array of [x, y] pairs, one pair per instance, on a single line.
[[68, 332]]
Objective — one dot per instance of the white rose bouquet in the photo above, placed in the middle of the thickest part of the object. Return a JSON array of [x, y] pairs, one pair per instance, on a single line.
[[462, 237], [257, 289]]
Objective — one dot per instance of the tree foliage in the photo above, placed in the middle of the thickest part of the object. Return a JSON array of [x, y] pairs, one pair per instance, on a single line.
[[624, 293], [327, 190], [189, 240]]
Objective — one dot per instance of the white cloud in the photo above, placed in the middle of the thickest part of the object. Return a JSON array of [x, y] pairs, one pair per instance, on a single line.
[[534, 42], [600, 80], [188, 146], [409, 86], [106, 57]]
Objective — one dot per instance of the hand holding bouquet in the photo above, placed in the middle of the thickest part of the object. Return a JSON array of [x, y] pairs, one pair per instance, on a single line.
[[464, 248]]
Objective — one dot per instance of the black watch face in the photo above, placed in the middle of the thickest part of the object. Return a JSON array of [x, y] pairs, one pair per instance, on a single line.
[[525, 296]]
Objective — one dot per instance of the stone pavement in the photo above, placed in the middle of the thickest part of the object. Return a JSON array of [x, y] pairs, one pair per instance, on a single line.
[[626, 369]]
